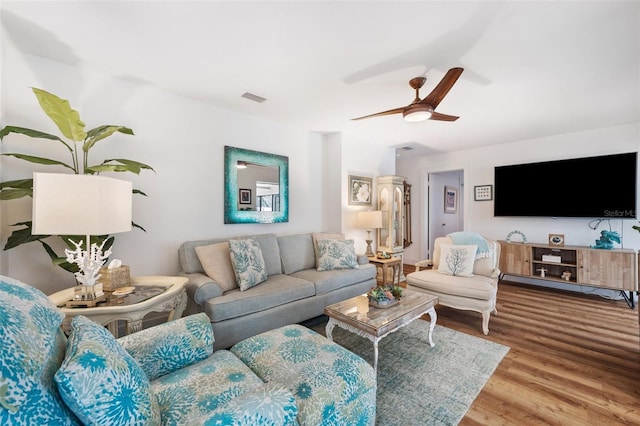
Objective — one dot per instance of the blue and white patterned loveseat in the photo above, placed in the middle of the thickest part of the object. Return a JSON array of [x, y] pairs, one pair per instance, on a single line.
[[169, 374]]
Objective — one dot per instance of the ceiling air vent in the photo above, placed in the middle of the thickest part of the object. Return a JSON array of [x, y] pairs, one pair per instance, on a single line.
[[253, 97]]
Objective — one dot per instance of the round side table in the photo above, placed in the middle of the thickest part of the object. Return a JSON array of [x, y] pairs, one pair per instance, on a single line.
[[151, 294]]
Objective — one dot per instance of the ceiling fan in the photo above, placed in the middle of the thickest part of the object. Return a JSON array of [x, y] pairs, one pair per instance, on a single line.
[[420, 110]]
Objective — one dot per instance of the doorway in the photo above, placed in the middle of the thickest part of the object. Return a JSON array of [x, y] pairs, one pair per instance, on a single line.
[[445, 212]]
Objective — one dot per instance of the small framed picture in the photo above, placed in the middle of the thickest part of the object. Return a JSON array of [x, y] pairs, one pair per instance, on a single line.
[[483, 193], [244, 196], [450, 199], [360, 189], [556, 240]]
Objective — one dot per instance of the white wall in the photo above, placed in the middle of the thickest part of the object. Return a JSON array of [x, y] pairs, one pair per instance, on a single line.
[[478, 165], [183, 140]]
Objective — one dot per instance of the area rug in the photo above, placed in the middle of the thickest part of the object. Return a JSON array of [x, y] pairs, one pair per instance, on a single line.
[[418, 384]]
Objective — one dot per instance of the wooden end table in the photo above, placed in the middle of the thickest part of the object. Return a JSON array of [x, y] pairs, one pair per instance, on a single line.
[[356, 316], [152, 294], [393, 263]]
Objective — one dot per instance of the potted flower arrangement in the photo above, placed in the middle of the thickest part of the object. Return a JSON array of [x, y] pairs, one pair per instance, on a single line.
[[384, 296]]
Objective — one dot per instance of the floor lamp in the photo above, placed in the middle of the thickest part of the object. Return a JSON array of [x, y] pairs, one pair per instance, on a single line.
[[369, 220], [82, 205]]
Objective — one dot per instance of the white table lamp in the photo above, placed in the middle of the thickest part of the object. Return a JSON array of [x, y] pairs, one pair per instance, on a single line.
[[69, 204], [370, 220]]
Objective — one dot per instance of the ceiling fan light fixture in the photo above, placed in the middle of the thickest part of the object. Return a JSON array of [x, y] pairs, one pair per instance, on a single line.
[[417, 113]]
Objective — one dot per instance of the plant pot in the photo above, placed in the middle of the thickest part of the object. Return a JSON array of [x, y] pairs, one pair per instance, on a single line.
[[382, 304]]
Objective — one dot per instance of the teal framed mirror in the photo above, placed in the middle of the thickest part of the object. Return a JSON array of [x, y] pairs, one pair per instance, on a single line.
[[256, 186]]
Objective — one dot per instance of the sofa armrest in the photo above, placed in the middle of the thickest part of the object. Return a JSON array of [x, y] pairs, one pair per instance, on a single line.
[[171, 346], [201, 287], [362, 259]]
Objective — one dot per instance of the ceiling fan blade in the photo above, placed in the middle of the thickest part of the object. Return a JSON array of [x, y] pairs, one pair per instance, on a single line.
[[379, 114], [437, 95], [443, 117]]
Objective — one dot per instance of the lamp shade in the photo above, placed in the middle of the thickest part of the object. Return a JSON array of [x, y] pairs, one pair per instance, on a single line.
[[69, 204], [370, 220]]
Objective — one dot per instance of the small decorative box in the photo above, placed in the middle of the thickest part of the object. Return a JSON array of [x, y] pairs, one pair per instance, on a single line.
[[551, 258], [115, 278]]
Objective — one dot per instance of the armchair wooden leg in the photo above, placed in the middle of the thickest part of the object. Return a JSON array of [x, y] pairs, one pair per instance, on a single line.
[[485, 322]]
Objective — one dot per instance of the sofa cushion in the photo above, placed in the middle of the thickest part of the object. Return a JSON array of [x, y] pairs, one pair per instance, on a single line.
[[297, 252], [101, 382], [275, 291], [185, 395], [270, 252], [216, 262], [171, 346], [248, 263], [327, 281], [32, 350], [457, 260], [332, 385], [478, 287], [323, 236], [336, 254]]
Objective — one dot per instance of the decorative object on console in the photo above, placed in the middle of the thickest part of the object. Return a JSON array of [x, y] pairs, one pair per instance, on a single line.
[[606, 240], [516, 232], [78, 143], [542, 271], [483, 193], [82, 205], [566, 275], [360, 189], [115, 276], [370, 220], [450, 199], [556, 240]]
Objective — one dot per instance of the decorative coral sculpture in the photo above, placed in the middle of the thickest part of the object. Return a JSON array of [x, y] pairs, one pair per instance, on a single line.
[[606, 240], [89, 262]]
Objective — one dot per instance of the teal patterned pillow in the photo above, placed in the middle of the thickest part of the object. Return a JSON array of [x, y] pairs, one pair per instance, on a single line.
[[101, 382], [31, 350], [336, 254], [248, 262]]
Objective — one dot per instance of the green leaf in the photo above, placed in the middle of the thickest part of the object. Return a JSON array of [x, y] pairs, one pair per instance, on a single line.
[[21, 183], [22, 236], [32, 133], [39, 160], [58, 260], [110, 168], [131, 163], [67, 119], [137, 191], [14, 194], [135, 225], [102, 132], [15, 189]]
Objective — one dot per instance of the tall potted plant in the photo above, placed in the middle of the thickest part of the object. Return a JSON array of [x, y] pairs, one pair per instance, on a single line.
[[77, 143]]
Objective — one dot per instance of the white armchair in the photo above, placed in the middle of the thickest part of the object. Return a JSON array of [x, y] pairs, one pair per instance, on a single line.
[[476, 292]]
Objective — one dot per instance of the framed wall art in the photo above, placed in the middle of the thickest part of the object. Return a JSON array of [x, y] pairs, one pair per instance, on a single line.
[[244, 196], [450, 199], [360, 190], [483, 193]]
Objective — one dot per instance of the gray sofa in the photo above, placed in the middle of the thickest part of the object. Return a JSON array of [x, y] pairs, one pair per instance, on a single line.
[[294, 291]]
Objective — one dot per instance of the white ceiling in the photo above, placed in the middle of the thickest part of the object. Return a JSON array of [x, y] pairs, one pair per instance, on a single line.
[[532, 69]]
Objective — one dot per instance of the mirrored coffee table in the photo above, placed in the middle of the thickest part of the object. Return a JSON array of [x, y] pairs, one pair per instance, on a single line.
[[356, 316]]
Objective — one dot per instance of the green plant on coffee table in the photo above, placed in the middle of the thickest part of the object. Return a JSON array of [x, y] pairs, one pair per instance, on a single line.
[[385, 293], [78, 145]]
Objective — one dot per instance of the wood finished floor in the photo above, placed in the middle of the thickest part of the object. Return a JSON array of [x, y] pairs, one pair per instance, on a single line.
[[574, 359]]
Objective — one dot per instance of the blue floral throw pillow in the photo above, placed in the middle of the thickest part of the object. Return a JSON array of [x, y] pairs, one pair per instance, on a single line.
[[248, 262], [101, 382], [336, 254]]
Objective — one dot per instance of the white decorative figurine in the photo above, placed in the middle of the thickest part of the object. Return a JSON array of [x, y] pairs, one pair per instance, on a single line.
[[89, 263]]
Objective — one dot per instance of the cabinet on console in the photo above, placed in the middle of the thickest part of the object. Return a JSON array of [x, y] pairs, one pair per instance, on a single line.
[[615, 269]]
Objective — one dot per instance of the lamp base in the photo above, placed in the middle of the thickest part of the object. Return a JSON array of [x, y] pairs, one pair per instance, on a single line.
[[369, 252]]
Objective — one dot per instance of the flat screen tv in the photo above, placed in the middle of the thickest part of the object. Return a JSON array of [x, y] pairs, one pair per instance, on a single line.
[[591, 187]]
